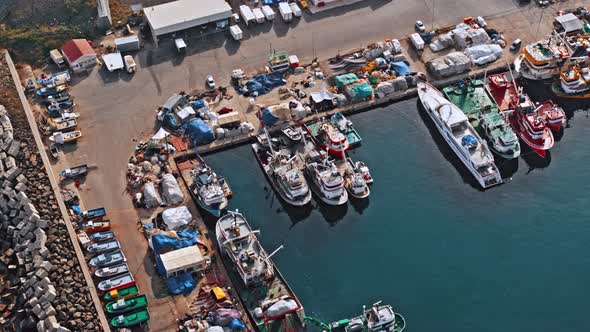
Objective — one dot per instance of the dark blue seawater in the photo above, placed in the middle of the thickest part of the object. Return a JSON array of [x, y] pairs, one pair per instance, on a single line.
[[447, 255]]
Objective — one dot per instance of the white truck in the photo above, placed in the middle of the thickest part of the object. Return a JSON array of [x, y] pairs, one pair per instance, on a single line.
[[417, 41], [268, 12], [247, 14], [286, 12], [180, 45], [295, 9], [57, 57], [236, 32], [258, 15], [129, 64]]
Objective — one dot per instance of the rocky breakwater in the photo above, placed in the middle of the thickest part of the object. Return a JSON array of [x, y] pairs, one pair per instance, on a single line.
[[43, 288]]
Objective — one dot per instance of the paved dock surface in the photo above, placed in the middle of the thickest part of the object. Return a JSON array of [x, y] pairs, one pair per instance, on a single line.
[[118, 108]]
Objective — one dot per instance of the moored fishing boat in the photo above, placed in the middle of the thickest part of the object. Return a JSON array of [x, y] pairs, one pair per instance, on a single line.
[[355, 184], [239, 242], [324, 179], [573, 83], [455, 128], [361, 167], [210, 190], [271, 303], [102, 236], [102, 247], [108, 259], [117, 282], [131, 319], [282, 172], [474, 99], [126, 305], [93, 214], [379, 318], [346, 127], [526, 122], [544, 59], [121, 293], [109, 271], [329, 138]]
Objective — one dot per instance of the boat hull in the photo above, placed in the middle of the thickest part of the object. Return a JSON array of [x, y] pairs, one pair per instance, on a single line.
[[213, 210], [522, 69], [330, 201], [131, 319], [559, 92], [139, 302], [122, 293], [363, 195]]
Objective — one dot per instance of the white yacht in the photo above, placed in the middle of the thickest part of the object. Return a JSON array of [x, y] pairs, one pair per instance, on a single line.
[[209, 189], [239, 242], [325, 179], [455, 128]]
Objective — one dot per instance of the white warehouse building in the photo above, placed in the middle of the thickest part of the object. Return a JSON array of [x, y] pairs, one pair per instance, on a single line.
[[181, 15]]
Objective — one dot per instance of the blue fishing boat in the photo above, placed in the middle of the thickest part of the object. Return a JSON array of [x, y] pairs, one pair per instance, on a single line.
[[345, 127], [94, 213]]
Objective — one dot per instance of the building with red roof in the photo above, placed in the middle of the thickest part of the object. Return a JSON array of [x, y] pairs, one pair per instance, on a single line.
[[79, 55]]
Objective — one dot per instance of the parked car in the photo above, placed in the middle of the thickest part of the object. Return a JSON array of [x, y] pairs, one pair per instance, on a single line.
[[515, 45], [210, 82], [420, 26], [543, 3]]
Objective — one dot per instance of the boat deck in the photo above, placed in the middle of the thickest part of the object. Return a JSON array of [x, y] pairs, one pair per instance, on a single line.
[[354, 139]]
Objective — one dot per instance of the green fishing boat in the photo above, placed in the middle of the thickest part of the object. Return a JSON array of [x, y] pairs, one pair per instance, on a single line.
[[131, 319], [126, 305], [474, 99], [121, 293]]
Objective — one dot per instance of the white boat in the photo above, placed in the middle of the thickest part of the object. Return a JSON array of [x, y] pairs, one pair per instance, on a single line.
[[355, 184], [61, 138], [455, 128], [101, 247], [121, 281], [283, 174], [209, 189], [108, 259], [110, 271], [325, 180], [239, 242], [361, 167]]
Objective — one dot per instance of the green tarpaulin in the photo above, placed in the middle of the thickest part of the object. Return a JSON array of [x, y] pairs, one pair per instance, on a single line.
[[345, 79]]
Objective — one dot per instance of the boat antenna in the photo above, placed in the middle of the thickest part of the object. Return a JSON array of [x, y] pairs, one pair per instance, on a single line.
[[269, 142], [275, 251]]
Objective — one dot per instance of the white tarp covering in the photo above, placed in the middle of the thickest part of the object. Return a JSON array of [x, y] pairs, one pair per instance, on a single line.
[[281, 307], [383, 89], [318, 97], [162, 133], [449, 65], [175, 218], [151, 198], [186, 112], [482, 54], [443, 41], [171, 192], [466, 36]]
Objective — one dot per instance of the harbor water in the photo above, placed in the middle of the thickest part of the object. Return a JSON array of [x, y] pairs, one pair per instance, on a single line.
[[446, 255]]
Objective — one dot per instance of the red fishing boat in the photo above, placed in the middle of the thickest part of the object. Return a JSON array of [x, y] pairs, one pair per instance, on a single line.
[[330, 138], [524, 117], [554, 115]]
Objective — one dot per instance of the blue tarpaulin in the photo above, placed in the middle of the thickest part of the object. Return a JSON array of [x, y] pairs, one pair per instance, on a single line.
[[182, 284], [76, 209], [400, 67], [264, 83], [199, 132], [198, 104], [162, 243], [268, 118]]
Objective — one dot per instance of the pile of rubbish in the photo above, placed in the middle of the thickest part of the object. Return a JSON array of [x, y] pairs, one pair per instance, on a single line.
[[149, 175], [284, 112], [214, 311], [449, 65], [390, 49]]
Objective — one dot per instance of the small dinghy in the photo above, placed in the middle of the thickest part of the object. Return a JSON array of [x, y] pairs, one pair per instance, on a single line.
[[121, 293], [108, 259], [101, 247], [54, 150], [102, 236], [111, 271], [74, 172], [126, 305], [131, 319], [94, 213], [61, 137], [96, 226], [121, 281], [355, 184]]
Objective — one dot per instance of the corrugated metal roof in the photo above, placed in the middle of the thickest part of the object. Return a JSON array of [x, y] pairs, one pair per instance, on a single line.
[[75, 48], [181, 258], [184, 14], [570, 22]]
